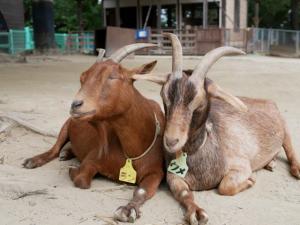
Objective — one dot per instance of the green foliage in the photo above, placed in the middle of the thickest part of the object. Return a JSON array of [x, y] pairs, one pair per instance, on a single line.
[[66, 15], [28, 12], [272, 13]]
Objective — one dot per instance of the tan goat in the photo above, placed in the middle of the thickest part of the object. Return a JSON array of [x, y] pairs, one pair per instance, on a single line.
[[224, 138]]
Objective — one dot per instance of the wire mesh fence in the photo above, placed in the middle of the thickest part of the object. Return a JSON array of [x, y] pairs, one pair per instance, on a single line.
[[276, 42]]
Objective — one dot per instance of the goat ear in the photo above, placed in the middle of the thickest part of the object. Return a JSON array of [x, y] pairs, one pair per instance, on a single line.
[[156, 78], [217, 92], [145, 68]]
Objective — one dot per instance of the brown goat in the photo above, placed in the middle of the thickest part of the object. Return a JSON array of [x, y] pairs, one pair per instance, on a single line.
[[224, 138], [112, 123]]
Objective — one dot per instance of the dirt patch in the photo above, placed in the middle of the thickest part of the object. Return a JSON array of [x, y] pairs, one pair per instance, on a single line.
[[40, 92], [6, 58]]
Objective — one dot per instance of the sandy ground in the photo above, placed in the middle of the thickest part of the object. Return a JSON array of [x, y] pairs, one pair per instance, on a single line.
[[40, 92]]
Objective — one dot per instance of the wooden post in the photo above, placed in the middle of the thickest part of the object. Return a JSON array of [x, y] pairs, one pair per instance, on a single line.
[[103, 14], [205, 14], [138, 14], [118, 23], [158, 19], [220, 13], [178, 15]]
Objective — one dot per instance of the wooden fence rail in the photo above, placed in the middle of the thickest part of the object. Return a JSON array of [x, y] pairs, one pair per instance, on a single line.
[[199, 41]]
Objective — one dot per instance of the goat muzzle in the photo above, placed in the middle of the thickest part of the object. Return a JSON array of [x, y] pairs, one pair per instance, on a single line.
[[170, 142], [76, 113], [76, 104]]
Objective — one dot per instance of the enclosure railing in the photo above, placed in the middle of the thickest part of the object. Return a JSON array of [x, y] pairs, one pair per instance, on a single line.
[[253, 40], [276, 42], [198, 41], [187, 38], [16, 41]]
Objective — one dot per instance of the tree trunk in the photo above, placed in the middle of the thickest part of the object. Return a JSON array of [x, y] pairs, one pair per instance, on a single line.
[[295, 14], [43, 25]]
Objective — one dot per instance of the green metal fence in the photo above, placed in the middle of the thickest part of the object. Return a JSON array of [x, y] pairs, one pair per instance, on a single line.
[[4, 42], [67, 43], [16, 41]]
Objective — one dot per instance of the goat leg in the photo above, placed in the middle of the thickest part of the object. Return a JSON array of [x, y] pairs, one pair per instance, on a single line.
[[237, 179], [82, 176], [145, 191], [194, 215], [291, 154], [45, 157]]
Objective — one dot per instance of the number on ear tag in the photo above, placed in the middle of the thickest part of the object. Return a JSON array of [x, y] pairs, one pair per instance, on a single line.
[[178, 166], [128, 173]]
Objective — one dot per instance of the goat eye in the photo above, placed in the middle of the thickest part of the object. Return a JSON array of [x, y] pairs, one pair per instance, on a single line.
[[113, 76]]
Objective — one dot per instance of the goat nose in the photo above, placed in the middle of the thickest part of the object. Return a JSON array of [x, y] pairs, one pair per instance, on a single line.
[[76, 104], [171, 142]]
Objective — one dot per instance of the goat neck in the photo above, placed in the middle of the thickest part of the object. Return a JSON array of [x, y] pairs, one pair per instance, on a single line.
[[198, 132], [138, 119]]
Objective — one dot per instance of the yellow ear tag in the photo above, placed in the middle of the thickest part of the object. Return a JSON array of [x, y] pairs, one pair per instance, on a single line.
[[178, 166], [128, 173]]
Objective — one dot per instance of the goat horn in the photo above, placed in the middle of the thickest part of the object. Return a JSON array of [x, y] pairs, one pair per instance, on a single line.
[[156, 78], [177, 55], [207, 62], [120, 54], [101, 53]]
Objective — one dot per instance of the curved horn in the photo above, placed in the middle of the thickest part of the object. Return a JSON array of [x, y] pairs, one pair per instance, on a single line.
[[156, 78], [177, 55], [208, 60], [101, 53], [120, 54]]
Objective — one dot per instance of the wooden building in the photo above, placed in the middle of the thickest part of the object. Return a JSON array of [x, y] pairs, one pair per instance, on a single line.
[[11, 14], [200, 24], [176, 14]]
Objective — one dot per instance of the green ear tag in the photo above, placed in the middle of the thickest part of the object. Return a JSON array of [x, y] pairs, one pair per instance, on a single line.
[[178, 166], [128, 173]]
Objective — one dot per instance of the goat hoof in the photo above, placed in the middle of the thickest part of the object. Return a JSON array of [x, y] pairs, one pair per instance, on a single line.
[[73, 172], [126, 214], [82, 182], [198, 217], [31, 163], [295, 170], [271, 166]]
